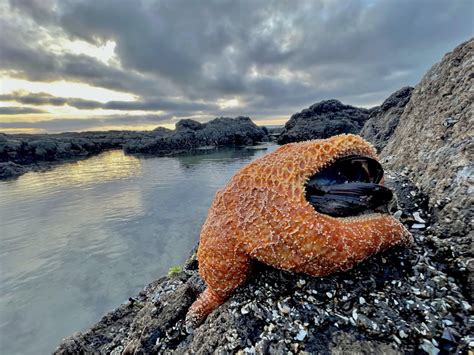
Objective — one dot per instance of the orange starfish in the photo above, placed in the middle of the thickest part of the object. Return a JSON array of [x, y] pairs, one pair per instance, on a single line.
[[263, 214]]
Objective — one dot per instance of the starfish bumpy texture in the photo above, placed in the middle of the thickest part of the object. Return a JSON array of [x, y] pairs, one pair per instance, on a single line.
[[263, 214]]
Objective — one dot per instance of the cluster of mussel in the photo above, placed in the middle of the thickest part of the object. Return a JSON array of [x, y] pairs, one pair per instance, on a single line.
[[350, 186]]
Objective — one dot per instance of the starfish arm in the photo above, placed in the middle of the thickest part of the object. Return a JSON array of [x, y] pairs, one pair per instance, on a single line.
[[222, 264]]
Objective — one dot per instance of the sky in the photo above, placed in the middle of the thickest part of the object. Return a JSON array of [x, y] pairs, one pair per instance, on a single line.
[[68, 65]]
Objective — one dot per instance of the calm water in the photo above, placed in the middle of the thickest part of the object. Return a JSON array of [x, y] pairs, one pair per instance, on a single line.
[[79, 239]]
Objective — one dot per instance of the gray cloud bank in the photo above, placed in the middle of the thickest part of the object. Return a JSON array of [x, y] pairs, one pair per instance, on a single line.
[[81, 124], [19, 110], [152, 104], [276, 57]]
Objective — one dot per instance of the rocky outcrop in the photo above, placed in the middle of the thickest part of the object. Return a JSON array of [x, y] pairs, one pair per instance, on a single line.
[[384, 119], [402, 301], [433, 145], [10, 169], [191, 134], [323, 120], [23, 152], [27, 149]]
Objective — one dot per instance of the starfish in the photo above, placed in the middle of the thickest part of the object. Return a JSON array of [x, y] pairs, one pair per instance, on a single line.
[[292, 210]]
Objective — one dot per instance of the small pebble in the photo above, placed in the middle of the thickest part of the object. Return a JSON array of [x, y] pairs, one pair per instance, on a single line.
[[429, 347], [416, 216], [466, 306], [354, 314], [301, 283], [301, 335], [283, 308], [397, 214]]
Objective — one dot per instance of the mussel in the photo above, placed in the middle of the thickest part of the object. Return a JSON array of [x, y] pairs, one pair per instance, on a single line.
[[349, 187]]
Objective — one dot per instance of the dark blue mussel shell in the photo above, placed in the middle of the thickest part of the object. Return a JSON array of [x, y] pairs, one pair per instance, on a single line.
[[349, 187]]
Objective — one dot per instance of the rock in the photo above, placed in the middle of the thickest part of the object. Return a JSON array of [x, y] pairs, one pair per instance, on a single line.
[[428, 347], [190, 134], [322, 120], [301, 335], [345, 343], [274, 132], [384, 119], [10, 169], [189, 124], [417, 217], [438, 156]]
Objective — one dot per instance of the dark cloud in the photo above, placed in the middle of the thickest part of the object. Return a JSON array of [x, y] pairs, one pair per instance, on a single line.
[[159, 104], [38, 99], [40, 10], [81, 124], [275, 56], [156, 104], [19, 110]]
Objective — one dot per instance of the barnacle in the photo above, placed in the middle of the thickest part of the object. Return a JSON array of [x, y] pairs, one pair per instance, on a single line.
[[263, 214]]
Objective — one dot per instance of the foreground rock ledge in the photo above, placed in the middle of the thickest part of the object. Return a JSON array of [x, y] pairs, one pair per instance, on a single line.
[[402, 301]]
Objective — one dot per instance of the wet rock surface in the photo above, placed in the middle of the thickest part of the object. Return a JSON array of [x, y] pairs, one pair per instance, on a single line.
[[402, 301], [20, 153], [323, 120], [29, 151], [433, 146], [384, 119], [10, 170]]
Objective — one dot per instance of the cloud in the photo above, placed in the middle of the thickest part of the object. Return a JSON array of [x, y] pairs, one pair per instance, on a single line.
[[275, 57], [209, 57], [152, 104], [47, 99], [19, 110], [81, 124]]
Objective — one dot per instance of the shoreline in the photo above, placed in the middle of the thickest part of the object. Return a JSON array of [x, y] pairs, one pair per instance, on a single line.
[[22, 153]]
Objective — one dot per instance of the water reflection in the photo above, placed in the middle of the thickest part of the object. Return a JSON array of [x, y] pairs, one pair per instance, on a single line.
[[79, 239], [111, 165]]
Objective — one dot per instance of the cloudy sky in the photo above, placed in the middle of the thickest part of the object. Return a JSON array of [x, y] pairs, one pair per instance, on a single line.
[[103, 64]]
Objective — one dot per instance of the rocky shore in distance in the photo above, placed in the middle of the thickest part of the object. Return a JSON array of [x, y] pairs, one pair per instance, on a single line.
[[20, 153], [190, 134], [407, 300]]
